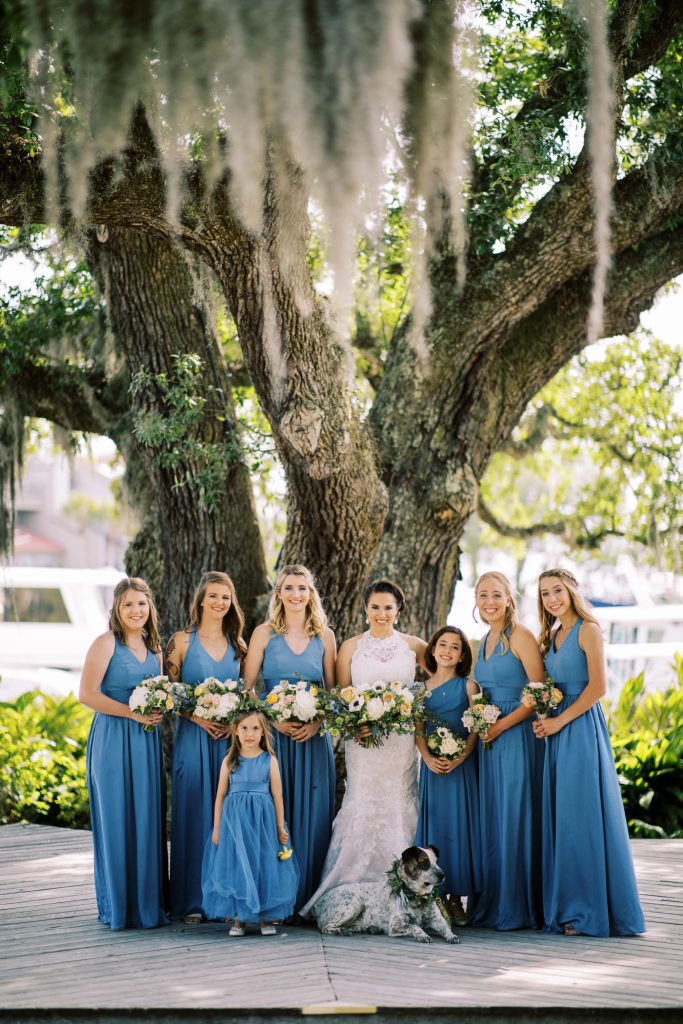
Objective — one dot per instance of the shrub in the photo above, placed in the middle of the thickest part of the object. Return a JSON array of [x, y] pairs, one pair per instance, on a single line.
[[647, 740], [42, 768]]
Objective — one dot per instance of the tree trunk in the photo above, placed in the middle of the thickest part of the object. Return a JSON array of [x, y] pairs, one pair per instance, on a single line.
[[149, 292]]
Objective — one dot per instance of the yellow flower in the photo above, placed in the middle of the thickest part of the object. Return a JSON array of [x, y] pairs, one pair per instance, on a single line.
[[271, 698], [388, 698], [285, 853], [169, 703], [557, 695], [199, 690], [406, 709], [348, 693], [313, 690]]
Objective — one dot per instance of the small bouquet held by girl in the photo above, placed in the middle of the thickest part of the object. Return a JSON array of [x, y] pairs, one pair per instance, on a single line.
[[298, 702], [249, 873], [480, 716], [442, 742], [214, 701], [383, 708], [542, 697], [155, 693]]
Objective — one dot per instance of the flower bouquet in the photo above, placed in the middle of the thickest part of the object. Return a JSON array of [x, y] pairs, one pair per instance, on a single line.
[[214, 701], [384, 708], [444, 743], [481, 716], [296, 702], [155, 693], [542, 697]]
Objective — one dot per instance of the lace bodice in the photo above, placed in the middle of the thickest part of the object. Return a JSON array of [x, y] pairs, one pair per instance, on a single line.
[[382, 659]]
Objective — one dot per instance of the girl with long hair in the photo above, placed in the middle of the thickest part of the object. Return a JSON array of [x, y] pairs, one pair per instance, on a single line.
[[210, 645], [510, 770], [245, 878], [589, 885], [297, 644], [125, 766]]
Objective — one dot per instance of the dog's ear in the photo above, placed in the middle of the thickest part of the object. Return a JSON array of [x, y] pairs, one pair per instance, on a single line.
[[435, 850], [410, 854]]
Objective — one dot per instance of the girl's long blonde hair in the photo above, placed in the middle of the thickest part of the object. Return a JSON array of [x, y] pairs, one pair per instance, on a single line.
[[233, 755], [150, 633], [233, 620], [315, 621], [578, 602], [511, 620]]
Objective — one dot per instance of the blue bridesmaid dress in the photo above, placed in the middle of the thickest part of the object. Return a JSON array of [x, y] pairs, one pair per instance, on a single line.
[[588, 876], [243, 877], [197, 761], [126, 786], [307, 769], [449, 804], [510, 785]]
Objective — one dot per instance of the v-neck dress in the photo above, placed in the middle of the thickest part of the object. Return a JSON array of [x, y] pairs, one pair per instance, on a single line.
[[588, 876], [197, 760], [307, 769], [126, 787], [449, 804]]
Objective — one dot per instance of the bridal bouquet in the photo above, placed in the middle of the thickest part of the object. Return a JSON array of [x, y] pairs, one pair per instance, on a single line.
[[542, 697], [382, 707], [444, 743], [296, 702], [481, 716], [155, 693], [214, 701]]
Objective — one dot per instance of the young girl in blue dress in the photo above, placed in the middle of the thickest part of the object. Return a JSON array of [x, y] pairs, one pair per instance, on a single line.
[[449, 787], [589, 884], [125, 765], [511, 769], [210, 645], [243, 876], [294, 644]]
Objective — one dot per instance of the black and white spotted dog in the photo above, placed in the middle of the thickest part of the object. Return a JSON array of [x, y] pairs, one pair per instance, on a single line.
[[402, 904]]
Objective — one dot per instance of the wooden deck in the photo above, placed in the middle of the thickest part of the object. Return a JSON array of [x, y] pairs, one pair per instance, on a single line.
[[59, 962]]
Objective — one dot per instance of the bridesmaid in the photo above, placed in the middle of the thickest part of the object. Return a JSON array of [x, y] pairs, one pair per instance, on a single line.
[[296, 643], [124, 765], [589, 885], [211, 645], [511, 771], [449, 788]]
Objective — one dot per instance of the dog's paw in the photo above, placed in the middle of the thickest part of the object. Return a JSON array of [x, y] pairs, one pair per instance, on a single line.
[[421, 937], [452, 939]]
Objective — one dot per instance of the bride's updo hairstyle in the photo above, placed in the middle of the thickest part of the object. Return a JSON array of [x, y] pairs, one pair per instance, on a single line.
[[315, 621], [385, 587], [464, 665]]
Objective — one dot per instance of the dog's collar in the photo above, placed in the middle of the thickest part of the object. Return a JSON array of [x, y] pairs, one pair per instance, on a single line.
[[399, 888]]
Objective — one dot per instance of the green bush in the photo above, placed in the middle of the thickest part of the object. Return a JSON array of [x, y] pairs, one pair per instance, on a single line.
[[42, 764], [647, 740]]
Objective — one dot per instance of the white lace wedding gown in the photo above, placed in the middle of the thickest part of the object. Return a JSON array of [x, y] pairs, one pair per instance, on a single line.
[[378, 815]]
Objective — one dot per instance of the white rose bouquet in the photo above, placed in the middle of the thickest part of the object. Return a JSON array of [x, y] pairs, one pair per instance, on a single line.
[[382, 707], [155, 693], [444, 743], [214, 701], [542, 697], [296, 702], [481, 716]]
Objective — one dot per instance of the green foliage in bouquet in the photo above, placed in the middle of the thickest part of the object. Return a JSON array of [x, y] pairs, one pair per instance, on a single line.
[[647, 740], [42, 768]]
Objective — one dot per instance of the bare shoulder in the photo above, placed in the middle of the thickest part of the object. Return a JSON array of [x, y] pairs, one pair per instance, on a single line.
[[590, 635], [349, 646], [328, 636], [521, 637], [103, 645], [261, 634], [179, 641], [472, 687]]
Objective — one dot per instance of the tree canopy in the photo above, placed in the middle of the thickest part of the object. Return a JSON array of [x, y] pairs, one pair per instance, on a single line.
[[384, 465]]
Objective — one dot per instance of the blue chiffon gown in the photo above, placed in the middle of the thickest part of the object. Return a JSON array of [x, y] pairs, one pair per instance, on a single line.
[[588, 876], [510, 786], [243, 877], [126, 787], [449, 804], [307, 769], [195, 770]]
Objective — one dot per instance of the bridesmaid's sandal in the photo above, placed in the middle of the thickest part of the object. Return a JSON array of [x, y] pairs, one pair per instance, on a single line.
[[268, 928], [569, 929], [193, 919], [237, 929]]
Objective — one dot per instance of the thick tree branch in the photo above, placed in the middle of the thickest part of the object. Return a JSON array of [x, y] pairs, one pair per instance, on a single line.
[[555, 526], [76, 399]]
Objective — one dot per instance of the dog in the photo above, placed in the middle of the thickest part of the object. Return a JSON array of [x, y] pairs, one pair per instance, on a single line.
[[402, 904]]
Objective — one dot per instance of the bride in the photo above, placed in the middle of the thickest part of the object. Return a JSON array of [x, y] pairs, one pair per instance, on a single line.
[[378, 815]]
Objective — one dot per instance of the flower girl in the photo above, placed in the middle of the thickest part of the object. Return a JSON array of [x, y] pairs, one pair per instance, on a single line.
[[245, 874]]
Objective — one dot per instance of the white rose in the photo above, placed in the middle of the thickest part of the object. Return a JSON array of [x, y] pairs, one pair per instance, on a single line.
[[490, 713], [407, 695], [231, 684], [468, 720], [200, 712], [375, 708], [286, 712], [305, 706], [396, 687], [138, 698], [449, 746]]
